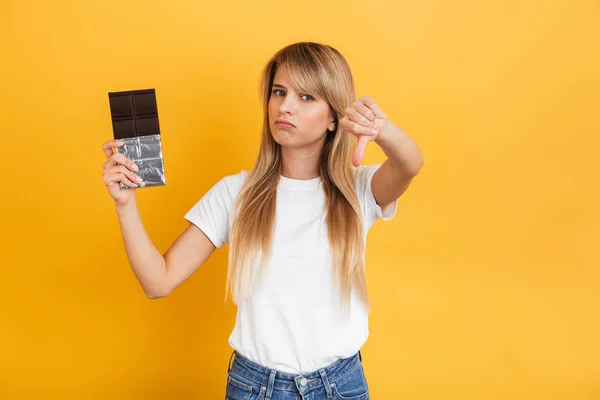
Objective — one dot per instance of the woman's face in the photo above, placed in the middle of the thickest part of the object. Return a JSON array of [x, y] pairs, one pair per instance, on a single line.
[[309, 115]]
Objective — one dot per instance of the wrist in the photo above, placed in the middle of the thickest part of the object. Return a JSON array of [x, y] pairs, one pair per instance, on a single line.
[[128, 205], [385, 134]]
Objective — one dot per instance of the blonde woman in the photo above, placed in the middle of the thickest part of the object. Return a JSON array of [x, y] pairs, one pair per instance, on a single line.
[[296, 225]]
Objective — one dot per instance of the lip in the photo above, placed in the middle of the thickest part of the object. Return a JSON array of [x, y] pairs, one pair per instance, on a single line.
[[282, 122]]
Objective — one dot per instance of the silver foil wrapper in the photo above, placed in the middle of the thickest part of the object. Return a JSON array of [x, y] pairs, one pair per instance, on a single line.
[[146, 152]]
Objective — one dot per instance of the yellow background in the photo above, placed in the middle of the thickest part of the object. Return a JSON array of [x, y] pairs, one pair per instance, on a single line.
[[484, 286]]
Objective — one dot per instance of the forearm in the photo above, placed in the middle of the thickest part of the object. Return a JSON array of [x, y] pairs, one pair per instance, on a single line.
[[400, 148], [148, 264]]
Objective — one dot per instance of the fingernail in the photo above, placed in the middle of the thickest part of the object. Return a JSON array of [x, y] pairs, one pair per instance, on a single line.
[[139, 179], [135, 167]]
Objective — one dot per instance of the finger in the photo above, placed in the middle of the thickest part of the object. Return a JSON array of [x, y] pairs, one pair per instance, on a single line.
[[359, 151], [368, 101], [362, 130], [120, 159], [355, 128], [123, 170], [376, 110], [108, 146], [114, 179], [364, 110], [120, 169], [356, 116]]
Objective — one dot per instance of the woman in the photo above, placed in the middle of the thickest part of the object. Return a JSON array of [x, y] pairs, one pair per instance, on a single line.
[[297, 226]]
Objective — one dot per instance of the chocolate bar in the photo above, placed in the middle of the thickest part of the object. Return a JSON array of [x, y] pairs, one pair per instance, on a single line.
[[134, 116]]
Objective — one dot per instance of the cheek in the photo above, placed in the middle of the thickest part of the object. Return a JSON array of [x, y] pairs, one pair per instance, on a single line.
[[273, 106], [316, 119]]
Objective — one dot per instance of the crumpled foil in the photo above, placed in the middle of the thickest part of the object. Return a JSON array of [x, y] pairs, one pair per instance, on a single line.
[[146, 152]]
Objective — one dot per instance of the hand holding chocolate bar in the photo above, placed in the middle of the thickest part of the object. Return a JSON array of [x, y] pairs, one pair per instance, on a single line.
[[119, 170]]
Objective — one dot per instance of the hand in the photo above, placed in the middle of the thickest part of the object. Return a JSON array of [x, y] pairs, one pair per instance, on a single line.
[[364, 119], [116, 169]]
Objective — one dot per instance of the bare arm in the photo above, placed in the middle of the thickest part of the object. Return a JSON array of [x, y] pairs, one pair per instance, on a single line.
[[188, 253], [159, 275]]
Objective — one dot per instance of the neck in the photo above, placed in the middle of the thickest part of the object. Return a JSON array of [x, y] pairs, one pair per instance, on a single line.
[[301, 164]]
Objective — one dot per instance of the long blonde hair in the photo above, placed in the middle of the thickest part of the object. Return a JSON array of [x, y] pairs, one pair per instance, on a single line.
[[320, 70]]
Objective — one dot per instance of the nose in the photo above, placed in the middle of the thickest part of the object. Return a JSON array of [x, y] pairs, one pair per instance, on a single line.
[[287, 105]]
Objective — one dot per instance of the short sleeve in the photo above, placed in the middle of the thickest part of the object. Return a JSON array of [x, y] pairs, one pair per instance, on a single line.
[[371, 210], [212, 213]]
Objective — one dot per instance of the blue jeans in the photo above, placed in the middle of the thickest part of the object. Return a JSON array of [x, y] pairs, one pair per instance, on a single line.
[[342, 380]]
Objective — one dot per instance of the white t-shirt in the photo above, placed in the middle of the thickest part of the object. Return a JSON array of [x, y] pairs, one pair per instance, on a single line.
[[292, 323]]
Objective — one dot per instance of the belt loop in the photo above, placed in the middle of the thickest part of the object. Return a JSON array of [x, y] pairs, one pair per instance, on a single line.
[[360, 356], [271, 384], [229, 364], [326, 383]]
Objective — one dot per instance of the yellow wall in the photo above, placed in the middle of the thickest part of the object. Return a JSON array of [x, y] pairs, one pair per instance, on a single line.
[[484, 286]]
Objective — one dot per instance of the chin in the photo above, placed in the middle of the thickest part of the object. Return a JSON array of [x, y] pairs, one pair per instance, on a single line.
[[282, 135], [282, 140]]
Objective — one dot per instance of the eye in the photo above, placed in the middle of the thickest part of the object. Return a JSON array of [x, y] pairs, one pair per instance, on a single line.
[[309, 96], [275, 91]]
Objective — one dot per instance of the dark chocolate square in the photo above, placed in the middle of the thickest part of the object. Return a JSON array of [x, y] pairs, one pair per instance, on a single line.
[[124, 129], [147, 126], [120, 106], [145, 103]]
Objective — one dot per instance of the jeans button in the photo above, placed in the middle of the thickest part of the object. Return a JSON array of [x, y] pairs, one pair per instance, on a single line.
[[303, 382]]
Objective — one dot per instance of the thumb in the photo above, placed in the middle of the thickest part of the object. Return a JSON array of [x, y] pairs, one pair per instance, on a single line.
[[360, 150]]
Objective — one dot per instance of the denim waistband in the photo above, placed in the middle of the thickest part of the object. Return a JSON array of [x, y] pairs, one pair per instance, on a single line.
[[274, 379]]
